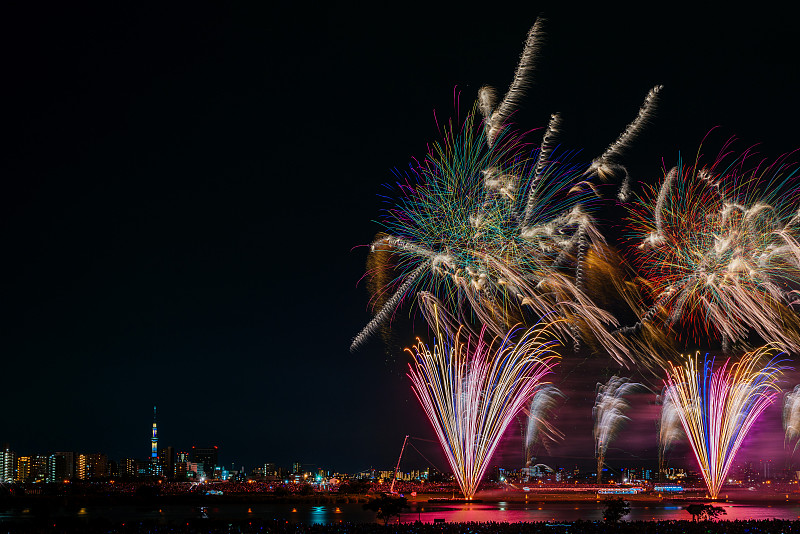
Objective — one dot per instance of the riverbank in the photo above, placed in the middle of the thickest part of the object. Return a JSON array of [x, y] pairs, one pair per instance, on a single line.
[[100, 526], [489, 496]]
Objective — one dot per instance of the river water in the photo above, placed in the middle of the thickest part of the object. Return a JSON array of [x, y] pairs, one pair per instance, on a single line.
[[335, 513]]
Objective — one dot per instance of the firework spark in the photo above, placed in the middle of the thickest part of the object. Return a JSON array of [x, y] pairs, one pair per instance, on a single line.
[[718, 408], [791, 417], [669, 427], [471, 390], [538, 426], [609, 415], [718, 248]]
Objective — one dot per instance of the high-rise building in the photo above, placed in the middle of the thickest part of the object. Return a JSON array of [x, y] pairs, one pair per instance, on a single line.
[[23, 469], [91, 466], [8, 464], [60, 466], [208, 457], [32, 468], [181, 471], [166, 458], [39, 468], [127, 468]]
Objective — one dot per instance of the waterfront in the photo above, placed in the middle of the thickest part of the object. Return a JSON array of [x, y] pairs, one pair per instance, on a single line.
[[512, 512]]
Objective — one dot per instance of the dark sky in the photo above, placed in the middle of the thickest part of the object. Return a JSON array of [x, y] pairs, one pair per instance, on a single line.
[[183, 190]]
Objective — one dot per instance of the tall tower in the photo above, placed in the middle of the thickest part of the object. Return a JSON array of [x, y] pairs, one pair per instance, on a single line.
[[154, 440]]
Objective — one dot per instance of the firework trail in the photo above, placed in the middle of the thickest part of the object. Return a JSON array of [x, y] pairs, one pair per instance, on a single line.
[[496, 116], [607, 164], [609, 415], [718, 248], [718, 408], [791, 417], [542, 162], [669, 427], [538, 426], [472, 390], [497, 226], [388, 308]]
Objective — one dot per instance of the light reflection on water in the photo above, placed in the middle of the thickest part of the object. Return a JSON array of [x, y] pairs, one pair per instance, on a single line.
[[427, 512]]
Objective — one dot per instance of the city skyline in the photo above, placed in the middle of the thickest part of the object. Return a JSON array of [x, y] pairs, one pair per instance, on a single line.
[[186, 208]]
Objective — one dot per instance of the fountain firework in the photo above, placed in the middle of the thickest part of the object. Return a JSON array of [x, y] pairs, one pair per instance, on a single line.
[[791, 416], [471, 389], [669, 427], [538, 426], [609, 415], [718, 408]]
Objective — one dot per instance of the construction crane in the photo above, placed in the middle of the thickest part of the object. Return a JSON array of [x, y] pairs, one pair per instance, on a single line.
[[397, 468]]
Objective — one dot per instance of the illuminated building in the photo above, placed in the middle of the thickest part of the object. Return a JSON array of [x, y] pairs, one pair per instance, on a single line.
[[39, 468], [23, 468], [92, 466], [127, 468], [208, 457], [8, 461], [60, 466], [194, 470], [166, 459], [31, 468], [181, 472]]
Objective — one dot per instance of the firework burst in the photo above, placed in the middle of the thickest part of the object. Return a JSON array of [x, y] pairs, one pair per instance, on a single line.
[[486, 223], [717, 408], [718, 248], [471, 389]]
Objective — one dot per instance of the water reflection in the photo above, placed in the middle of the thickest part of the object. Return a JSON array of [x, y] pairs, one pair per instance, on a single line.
[[426, 512], [319, 514]]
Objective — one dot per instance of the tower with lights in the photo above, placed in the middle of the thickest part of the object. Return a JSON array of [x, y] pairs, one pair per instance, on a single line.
[[154, 440]]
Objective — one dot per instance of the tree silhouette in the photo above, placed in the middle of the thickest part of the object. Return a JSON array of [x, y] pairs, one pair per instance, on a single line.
[[705, 511], [616, 509], [387, 506]]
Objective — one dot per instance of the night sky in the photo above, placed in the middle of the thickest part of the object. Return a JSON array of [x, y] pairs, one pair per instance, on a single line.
[[187, 192]]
